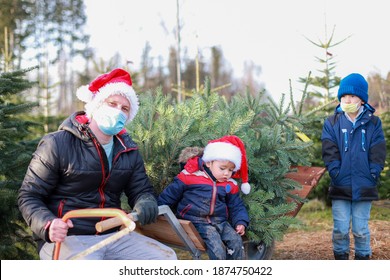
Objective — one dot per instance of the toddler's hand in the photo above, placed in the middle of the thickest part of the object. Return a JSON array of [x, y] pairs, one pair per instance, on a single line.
[[240, 229]]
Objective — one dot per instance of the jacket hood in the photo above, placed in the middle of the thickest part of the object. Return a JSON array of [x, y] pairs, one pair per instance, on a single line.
[[190, 152], [77, 124]]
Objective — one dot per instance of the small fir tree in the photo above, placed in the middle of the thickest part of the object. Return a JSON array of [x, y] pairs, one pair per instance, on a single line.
[[163, 128]]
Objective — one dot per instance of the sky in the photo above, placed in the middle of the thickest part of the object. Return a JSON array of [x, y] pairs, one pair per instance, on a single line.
[[272, 34]]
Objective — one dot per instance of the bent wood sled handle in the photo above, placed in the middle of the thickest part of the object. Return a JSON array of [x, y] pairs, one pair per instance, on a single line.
[[100, 212], [111, 223]]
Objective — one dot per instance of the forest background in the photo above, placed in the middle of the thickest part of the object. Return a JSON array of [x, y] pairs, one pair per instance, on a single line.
[[51, 36]]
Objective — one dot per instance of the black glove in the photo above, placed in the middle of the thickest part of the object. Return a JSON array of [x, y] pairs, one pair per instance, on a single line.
[[147, 209]]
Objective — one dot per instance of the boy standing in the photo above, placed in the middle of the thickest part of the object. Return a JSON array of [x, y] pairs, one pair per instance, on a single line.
[[205, 193], [354, 152]]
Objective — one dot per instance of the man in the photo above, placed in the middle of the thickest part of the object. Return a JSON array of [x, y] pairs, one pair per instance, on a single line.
[[88, 163]]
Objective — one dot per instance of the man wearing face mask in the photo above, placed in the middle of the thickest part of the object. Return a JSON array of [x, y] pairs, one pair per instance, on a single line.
[[88, 163], [354, 152]]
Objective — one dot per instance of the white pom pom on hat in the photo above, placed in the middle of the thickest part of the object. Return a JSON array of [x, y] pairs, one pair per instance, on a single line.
[[231, 148], [118, 81]]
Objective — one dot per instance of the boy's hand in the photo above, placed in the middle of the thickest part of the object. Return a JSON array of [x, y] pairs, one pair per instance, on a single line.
[[240, 229]]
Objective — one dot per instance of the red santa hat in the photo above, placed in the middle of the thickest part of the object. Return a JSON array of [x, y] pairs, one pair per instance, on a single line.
[[118, 81], [231, 148]]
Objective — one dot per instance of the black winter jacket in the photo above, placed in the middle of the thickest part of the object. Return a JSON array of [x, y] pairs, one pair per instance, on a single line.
[[69, 170]]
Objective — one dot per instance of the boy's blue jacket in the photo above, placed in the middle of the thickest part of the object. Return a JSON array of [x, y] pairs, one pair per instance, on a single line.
[[354, 154], [200, 199]]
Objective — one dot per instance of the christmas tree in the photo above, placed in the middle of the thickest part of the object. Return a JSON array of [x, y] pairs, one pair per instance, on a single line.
[[15, 154], [164, 128]]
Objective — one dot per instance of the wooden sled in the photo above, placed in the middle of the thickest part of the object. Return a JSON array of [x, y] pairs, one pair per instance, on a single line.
[[182, 233]]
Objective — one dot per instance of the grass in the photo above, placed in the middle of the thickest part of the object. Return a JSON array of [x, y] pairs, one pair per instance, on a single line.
[[311, 237], [315, 215]]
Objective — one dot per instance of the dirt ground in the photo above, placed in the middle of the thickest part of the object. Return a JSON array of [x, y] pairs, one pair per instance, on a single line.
[[317, 245]]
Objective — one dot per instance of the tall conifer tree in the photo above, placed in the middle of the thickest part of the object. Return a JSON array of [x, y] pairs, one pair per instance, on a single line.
[[15, 153]]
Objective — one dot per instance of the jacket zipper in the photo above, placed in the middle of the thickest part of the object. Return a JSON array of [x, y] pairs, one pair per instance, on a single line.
[[213, 199], [125, 150], [107, 176], [103, 182], [60, 208], [345, 139]]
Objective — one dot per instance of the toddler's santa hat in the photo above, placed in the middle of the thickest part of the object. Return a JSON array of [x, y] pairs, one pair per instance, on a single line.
[[118, 81], [230, 148]]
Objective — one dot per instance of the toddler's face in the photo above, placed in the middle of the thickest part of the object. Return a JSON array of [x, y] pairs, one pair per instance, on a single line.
[[221, 169]]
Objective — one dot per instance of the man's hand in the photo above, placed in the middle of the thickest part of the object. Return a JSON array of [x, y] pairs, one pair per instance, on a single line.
[[147, 209], [59, 229]]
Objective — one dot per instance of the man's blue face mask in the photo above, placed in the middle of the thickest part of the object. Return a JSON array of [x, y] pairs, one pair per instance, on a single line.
[[110, 120]]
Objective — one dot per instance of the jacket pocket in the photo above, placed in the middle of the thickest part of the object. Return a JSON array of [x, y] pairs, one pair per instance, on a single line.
[[334, 173], [185, 210]]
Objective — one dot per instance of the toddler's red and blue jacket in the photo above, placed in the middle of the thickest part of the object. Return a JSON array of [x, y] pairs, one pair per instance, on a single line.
[[198, 197]]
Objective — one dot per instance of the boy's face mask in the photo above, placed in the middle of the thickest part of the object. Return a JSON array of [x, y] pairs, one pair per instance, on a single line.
[[351, 107], [110, 120]]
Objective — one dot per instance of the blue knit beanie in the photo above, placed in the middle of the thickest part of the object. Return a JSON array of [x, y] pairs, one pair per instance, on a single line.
[[354, 84]]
